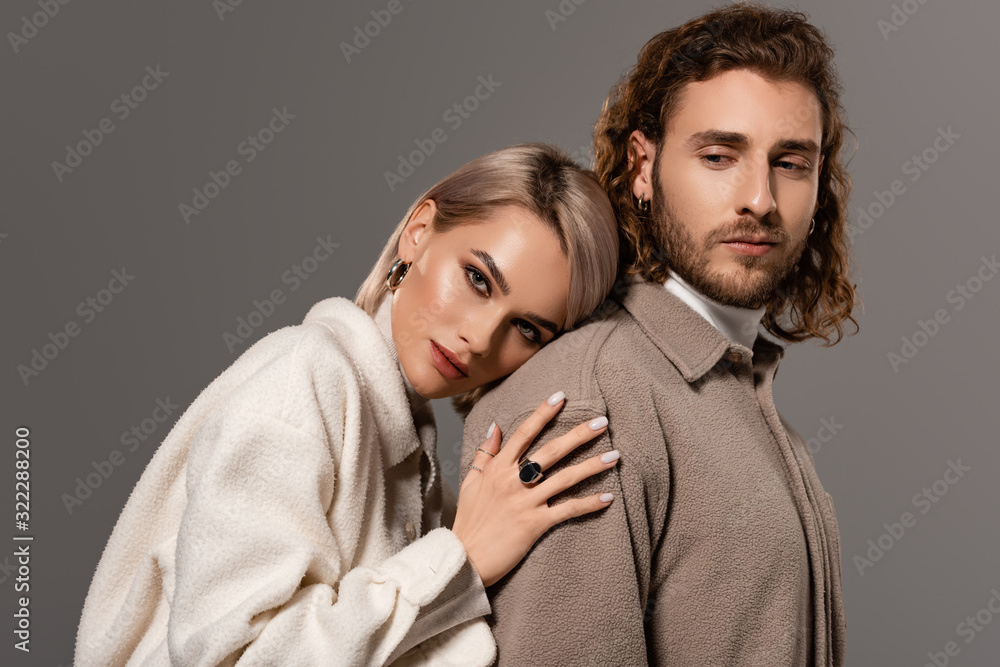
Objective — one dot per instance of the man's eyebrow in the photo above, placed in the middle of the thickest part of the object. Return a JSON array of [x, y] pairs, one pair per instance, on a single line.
[[501, 281], [799, 145], [739, 139], [717, 137]]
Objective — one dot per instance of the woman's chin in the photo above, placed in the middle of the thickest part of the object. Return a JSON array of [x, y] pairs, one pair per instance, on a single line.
[[430, 383], [432, 387], [442, 389]]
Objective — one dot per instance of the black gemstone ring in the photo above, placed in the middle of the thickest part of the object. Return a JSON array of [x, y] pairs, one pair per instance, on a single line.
[[530, 472]]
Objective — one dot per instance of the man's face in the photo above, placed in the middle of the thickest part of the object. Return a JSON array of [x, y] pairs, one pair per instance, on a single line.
[[735, 181]]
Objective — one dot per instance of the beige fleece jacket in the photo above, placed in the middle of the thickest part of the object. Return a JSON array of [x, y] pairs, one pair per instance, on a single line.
[[721, 547]]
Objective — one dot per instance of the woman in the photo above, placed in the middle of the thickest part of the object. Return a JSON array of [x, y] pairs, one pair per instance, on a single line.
[[295, 514]]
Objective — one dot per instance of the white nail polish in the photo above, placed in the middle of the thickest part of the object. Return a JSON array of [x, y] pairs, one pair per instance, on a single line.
[[610, 456], [555, 398], [598, 423], [607, 497], [489, 431]]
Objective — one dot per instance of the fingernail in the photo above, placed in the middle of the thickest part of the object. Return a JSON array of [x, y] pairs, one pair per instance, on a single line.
[[607, 497], [555, 398], [610, 457], [598, 423], [489, 431]]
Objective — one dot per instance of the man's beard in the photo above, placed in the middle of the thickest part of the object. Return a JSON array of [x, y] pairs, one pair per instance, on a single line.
[[752, 285]]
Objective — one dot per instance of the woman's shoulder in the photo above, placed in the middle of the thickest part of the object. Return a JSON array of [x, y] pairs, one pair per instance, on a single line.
[[331, 331], [340, 322], [337, 345], [338, 310], [302, 373], [336, 330], [334, 333], [336, 362]]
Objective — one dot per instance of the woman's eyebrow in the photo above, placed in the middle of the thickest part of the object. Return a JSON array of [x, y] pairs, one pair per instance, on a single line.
[[501, 281], [494, 270], [548, 324]]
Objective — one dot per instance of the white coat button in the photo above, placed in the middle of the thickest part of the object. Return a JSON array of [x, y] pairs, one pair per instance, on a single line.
[[734, 357], [411, 532]]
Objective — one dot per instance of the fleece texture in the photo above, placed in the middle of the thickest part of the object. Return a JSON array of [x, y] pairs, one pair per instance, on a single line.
[[284, 520], [721, 546]]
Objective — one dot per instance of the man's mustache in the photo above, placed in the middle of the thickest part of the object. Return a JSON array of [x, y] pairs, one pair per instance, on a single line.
[[751, 227]]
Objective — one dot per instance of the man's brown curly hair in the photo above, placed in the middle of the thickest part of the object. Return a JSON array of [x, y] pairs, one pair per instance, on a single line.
[[779, 45]]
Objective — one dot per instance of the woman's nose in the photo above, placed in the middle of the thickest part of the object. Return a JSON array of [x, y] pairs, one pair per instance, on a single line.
[[479, 330]]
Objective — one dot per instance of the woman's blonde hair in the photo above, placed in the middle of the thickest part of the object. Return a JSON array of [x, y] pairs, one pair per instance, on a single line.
[[544, 180]]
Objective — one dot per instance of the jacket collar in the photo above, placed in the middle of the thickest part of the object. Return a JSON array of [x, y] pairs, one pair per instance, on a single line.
[[686, 338], [383, 320], [404, 420]]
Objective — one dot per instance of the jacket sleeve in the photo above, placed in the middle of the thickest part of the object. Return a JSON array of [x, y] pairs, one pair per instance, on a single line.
[[576, 597], [260, 577], [463, 599]]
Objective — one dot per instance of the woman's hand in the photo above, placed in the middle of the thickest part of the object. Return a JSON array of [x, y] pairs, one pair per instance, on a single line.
[[499, 517]]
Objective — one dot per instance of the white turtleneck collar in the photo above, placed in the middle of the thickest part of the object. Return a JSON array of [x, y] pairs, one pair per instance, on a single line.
[[383, 320], [737, 324]]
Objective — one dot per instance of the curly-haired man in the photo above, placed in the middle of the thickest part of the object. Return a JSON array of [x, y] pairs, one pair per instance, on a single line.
[[721, 151]]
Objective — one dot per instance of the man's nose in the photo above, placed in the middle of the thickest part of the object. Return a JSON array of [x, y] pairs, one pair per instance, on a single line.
[[754, 190]]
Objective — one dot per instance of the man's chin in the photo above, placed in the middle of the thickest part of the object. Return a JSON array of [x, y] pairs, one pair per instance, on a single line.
[[742, 288]]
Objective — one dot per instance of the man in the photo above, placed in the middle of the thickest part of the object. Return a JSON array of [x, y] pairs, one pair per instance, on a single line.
[[721, 152]]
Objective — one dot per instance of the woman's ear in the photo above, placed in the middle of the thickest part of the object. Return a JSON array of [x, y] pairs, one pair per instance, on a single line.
[[419, 223], [641, 153]]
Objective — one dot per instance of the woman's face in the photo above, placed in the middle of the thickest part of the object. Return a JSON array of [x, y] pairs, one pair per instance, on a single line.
[[487, 295]]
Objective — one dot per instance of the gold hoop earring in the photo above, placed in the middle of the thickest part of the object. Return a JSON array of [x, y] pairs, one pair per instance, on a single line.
[[396, 274]]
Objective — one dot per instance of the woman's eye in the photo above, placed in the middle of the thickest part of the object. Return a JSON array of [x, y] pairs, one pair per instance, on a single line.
[[477, 280], [479, 283], [529, 332]]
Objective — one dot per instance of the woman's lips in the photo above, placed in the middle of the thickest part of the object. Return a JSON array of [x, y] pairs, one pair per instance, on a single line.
[[444, 366]]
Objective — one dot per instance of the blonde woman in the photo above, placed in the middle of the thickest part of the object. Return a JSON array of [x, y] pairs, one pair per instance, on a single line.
[[295, 514]]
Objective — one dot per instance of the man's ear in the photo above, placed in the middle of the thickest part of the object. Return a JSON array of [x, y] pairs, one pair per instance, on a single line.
[[640, 161], [419, 223]]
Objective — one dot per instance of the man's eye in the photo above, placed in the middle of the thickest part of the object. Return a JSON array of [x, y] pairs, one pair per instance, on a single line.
[[791, 166]]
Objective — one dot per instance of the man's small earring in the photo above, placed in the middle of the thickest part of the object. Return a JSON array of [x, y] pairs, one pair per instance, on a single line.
[[812, 226], [397, 273], [642, 205]]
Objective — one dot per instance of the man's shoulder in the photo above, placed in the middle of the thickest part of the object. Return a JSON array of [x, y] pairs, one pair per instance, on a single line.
[[567, 364]]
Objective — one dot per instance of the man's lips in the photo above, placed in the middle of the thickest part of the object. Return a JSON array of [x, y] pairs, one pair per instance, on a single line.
[[750, 245], [750, 238]]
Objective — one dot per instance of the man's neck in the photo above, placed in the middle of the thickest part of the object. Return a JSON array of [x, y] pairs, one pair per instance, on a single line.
[[737, 324]]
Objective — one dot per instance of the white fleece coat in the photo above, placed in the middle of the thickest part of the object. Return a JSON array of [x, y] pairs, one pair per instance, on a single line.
[[278, 522]]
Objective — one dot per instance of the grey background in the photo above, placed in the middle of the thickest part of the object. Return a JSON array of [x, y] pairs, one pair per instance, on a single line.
[[323, 176]]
